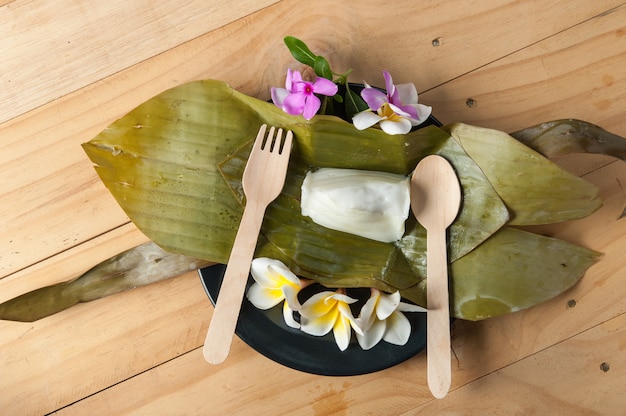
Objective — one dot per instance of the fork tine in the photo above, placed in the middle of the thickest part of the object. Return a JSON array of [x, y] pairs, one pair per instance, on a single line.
[[260, 139], [286, 145], [273, 141], [262, 181]]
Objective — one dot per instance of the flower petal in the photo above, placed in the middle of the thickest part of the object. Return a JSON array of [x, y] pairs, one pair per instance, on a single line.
[[316, 305], [293, 77], [409, 307], [391, 89], [282, 275], [278, 96], [423, 112], [342, 332], [264, 298], [294, 103], [321, 325], [398, 329], [345, 312], [367, 315], [373, 98], [325, 87], [288, 316], [311, 105], [290, 293], [365, 119], [402, 111], [401, 126], [340, 297], [387, 304], [373, 335], [272, 273], [407, 93]]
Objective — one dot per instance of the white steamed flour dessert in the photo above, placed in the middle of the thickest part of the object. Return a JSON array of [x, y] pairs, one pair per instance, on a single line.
[[370, 204]]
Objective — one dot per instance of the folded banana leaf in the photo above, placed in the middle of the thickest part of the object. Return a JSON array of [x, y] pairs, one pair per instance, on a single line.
[[174, 165], [536, 190]]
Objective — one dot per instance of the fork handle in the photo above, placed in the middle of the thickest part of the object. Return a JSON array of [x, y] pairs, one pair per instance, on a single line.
[[228, 304]]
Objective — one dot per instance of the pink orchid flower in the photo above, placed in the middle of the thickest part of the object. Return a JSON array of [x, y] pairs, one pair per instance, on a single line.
[[298, 96], [397, 111]]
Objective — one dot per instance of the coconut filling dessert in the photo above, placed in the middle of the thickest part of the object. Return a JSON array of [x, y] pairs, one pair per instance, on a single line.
[[369, 204]]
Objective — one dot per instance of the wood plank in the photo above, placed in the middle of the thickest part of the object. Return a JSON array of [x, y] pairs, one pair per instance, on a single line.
[[480, 347], [583, 375], [267, 389], [55, 361], [114, 339], [548, 382], [71, 263], [576, 74], [44, 60], [55, 131]]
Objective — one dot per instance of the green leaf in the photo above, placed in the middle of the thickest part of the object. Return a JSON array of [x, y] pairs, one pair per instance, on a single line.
[[354, 102], [300, 51], [322, 68]]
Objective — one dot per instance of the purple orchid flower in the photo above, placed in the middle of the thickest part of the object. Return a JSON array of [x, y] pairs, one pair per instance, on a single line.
[[298, 96], [397, 111]]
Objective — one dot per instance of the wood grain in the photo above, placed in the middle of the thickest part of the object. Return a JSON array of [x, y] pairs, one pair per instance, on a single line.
[[573, 74], [557, 380], [140, 351], [67, 45]]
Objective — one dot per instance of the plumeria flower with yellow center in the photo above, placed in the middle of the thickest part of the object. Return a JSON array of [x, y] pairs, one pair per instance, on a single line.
[[397, 111], [326, 311], [381, 318], [275, 283]]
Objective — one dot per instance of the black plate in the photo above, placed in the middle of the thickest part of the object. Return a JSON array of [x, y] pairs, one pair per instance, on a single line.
[[266, 332]]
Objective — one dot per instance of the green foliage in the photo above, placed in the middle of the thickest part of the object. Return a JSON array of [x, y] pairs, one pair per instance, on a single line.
[[353, 103]]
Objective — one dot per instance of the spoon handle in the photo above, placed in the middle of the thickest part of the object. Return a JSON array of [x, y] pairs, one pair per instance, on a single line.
[[438, 315]]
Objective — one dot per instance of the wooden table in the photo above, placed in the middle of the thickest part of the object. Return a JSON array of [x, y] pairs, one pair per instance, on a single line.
[[69, 68]]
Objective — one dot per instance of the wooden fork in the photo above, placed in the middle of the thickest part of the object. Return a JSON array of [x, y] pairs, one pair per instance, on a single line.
[[263, 179]]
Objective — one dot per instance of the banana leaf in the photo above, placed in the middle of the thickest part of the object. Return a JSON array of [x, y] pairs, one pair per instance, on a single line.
[[563, 137], [514, 270], [536, 190], [172, 165], [321, 253]]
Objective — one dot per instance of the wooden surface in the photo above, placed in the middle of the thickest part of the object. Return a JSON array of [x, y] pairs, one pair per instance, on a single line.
[[69, 68]]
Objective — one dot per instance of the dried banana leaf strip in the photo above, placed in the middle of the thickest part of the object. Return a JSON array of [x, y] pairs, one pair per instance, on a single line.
[[567, 136], [135, 267], [562, 137], [536, 190]]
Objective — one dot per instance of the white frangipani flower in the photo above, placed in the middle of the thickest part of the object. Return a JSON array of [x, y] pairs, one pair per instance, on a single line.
[[329, 310], [397, 110], [275, 283], [381, 318]]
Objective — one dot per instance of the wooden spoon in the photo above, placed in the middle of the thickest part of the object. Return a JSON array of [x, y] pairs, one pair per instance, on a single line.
[[435, 201]]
